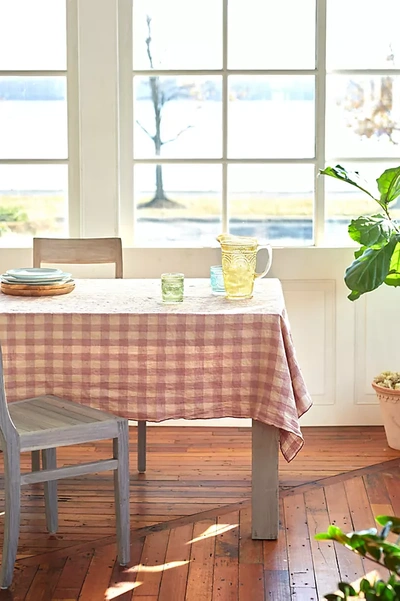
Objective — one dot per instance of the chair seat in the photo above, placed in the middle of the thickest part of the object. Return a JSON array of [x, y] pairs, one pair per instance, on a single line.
[[48, 420]]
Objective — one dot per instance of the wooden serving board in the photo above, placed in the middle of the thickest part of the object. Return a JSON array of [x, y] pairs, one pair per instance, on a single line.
[[37, 290]]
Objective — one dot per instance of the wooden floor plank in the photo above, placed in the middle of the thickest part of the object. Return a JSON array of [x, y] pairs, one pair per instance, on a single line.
[[392, 485], [45, 581], [99, 573], [360, 511], [73, 576], [226, 558], [324, 557], [123, 578], [350, 565], [151, 565], [174, 577], [250, 551], [298, 543], [251, 582], [201, 568]]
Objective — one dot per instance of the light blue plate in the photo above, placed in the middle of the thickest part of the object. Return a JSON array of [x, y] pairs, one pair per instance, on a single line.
[[38, 281], [34, 273]]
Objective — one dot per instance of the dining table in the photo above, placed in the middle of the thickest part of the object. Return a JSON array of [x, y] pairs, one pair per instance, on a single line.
[[113, 344]]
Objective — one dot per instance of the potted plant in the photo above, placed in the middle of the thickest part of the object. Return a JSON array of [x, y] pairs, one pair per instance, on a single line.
[[375, 546], [376, 262]]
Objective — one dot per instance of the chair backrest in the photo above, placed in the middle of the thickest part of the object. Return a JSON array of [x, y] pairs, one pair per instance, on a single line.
[[84, 251], [8, 432]]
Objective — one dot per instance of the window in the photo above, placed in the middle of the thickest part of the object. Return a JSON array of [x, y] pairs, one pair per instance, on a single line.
[[237, 105], [33, 120], [212, 116], [362, 103]]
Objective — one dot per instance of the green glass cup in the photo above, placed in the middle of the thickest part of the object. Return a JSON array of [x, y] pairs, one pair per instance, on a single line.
[[172, 287]]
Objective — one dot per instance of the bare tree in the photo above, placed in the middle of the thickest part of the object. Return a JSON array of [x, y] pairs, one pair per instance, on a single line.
[[370, 106], [162, 92]]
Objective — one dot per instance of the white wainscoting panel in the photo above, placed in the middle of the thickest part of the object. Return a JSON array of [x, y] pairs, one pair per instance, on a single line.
[[376, 340], [311, 309]]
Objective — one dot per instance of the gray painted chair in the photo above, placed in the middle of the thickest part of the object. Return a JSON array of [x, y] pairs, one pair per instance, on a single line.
[[85, 251], [42, 424]]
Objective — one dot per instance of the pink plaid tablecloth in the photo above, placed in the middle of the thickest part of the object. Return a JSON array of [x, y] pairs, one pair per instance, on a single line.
[[112, 344]]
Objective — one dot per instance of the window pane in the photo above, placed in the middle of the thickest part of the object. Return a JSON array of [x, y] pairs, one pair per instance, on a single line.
[[177, 117], [178, 34], [33, 118], [344, 202], [33, 202], [271, 35], [33, 35], [363, 115], [177, 204], [363, 35], [272, 202], [271, 117]]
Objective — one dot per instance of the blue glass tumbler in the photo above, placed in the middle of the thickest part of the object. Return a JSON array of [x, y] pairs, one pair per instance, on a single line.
[[217, 280]]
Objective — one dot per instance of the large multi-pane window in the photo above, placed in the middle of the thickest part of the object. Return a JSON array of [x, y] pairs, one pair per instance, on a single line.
[[33, 120], [232, 110], [237, 105]]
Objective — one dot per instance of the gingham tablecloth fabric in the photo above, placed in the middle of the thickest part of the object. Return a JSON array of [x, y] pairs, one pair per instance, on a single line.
[[114, 345]]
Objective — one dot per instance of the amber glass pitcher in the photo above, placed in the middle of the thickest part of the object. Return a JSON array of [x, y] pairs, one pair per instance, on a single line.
[[239, 256]]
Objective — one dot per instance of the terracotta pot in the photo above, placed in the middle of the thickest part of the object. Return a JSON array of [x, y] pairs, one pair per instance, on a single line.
[[390, 407]]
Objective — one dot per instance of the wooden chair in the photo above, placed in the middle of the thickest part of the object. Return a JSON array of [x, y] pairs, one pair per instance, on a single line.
[[85, 251], [78, 251], [45, 423]]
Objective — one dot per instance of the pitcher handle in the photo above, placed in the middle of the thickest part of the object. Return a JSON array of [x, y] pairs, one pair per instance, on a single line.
[[268, 267]]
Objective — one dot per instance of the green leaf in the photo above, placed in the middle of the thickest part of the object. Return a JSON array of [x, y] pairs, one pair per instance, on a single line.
[[393, 278], [359, 252], [374, 551], [350, 177], [371, 230], [354, 295], [333, 597], [395, 522], [392, 562], [369, 271], [365, 585], [389, 185], [323, 536], [346, 589]]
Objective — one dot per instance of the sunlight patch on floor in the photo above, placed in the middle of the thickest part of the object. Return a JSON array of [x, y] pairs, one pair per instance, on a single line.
[[214, 530]]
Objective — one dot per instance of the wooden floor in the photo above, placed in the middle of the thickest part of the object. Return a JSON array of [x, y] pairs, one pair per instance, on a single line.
[[191, 520]]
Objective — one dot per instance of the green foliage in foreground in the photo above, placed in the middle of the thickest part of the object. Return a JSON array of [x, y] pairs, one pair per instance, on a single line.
[[377, 261], [375, 546]]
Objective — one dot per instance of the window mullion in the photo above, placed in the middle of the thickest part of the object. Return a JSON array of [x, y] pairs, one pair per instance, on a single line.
[[126, 118], [74, 183], [224, 115], [320, 129]]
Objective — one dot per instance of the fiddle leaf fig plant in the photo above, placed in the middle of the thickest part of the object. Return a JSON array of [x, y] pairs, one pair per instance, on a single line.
[[374, 545], [377, 261]]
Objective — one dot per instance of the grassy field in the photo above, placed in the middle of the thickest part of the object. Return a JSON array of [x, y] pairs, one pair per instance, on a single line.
[[39, 214], [261, 206]]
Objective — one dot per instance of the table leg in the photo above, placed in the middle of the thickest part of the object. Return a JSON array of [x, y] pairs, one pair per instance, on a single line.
[[141, 446], [264, 498]]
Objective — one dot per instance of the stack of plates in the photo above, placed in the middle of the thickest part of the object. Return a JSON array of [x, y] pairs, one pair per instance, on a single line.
[[36, 281]]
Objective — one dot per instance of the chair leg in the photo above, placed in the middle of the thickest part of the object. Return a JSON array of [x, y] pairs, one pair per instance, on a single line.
[[12, 484], [141, 446], [35, 461], [49, 460], [121, 492]]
